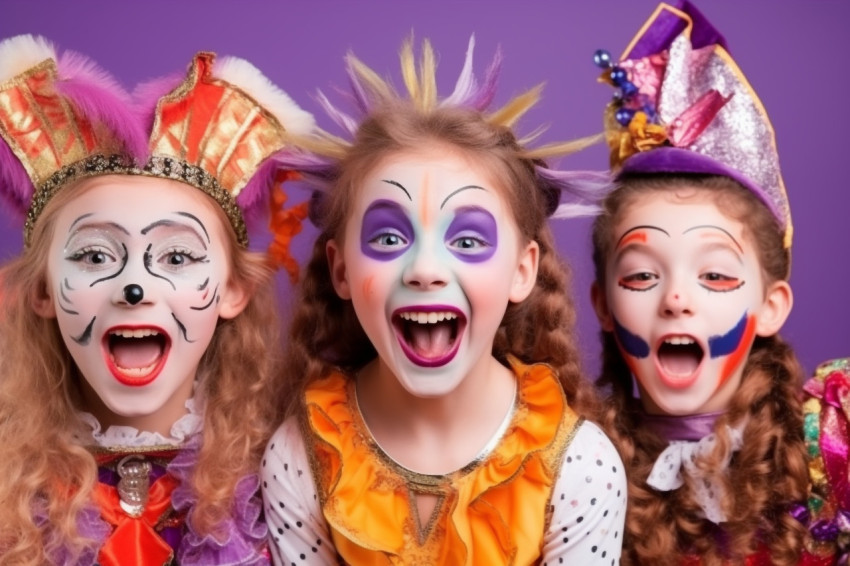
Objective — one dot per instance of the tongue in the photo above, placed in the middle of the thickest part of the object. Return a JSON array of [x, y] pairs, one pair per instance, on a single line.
[[679, 361], [136, 352], [431, 340]]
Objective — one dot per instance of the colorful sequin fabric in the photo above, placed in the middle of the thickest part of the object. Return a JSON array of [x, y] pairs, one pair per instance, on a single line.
[[827, 432]]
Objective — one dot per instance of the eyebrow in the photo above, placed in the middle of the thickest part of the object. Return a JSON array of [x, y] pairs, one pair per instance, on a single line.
[[165, 222], [114, 225], [641, 227], [712, 226], [453, 193], [399, 185]]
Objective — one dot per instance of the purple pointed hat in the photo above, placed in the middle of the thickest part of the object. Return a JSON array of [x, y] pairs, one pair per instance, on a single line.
[[684, 106]]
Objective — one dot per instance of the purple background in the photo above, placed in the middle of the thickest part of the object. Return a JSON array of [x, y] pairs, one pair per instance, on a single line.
[[792, 51]]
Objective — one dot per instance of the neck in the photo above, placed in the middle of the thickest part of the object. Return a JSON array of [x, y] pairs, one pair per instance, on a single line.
[[161, 420], [436, 434], [687, 427]]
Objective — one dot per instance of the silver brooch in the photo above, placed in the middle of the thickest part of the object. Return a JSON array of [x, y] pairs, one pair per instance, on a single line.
[[133, 486]]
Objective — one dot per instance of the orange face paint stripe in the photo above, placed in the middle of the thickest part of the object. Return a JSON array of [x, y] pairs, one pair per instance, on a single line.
[[736, 357], [633, 237]]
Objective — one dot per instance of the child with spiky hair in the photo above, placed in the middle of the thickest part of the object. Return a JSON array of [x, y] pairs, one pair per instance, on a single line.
[[439, 413]]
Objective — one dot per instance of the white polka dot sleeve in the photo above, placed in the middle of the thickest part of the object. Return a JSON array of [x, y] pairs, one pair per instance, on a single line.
[[298, 533], [589, 503]]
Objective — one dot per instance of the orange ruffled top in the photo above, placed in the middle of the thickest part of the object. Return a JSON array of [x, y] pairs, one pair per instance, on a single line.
[[503, 497]]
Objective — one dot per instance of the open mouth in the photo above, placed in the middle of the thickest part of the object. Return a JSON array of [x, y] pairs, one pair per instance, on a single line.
[[429, 337], [136, 355], [679, 358]]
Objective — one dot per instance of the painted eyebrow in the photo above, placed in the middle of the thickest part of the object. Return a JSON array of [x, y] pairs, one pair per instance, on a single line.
[[114, 225], [399, 185], [642, 227], [453, 193], [712, 226], [159, 223]]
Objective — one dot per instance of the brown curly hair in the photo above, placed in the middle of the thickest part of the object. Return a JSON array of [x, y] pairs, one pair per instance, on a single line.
[[769, 473], [43, 463]]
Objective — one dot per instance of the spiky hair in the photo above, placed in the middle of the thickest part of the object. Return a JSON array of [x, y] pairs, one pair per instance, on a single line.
[[319, 155]]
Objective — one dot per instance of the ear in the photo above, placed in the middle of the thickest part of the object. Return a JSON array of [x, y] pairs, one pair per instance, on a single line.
[[525, 277], [41, 301], [775, 309], [600, 306], [336, 265], [234, 299]]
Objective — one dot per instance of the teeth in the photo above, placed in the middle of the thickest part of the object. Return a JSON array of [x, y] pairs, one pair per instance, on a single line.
[[137, 372], [679, 340], [138, 333], [428, 317]]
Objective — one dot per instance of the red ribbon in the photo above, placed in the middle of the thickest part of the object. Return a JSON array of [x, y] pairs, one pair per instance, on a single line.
[[134, 542]]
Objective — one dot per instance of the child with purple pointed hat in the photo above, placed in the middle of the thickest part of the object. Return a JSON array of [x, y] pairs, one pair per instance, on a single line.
[[692, 253]]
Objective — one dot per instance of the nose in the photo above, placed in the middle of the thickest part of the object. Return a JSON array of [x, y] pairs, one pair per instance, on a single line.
[[676, 302], [425, 271], [133, 293]]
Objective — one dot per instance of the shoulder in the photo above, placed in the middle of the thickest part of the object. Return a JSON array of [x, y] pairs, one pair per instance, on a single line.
[[592, 454], [588, 501], [286, 446]]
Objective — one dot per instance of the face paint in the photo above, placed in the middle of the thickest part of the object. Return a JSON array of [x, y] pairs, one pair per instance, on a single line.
[[473, 235], [430, 252], [386, 231], [136, 270], [680, 277], [725, 344], [632, 344]]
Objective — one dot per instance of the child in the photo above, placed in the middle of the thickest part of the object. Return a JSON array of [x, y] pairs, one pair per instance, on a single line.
[[439, 415], [135, 329], [692, 255]]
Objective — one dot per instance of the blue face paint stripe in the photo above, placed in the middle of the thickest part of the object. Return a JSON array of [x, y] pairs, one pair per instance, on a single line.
[[633, 344], [725, 344]]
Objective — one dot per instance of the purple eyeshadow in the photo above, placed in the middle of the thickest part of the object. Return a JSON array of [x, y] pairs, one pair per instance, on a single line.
[[477, 224], [385, 217]]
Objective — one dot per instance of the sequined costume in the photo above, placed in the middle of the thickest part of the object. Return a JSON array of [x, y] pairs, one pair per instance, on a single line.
[[551, 487], [827, 433]]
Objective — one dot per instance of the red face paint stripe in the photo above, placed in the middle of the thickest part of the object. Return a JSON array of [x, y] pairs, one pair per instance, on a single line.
[[736, 357], [633, 237]]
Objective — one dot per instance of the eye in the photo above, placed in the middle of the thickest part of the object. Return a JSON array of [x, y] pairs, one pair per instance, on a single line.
[[468, 243], [640, 281], [388, 240], [719, 282], [180, 257], [94, 257]]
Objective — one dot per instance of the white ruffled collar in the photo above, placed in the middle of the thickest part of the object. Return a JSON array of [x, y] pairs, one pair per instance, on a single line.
[[127, 436], [679, 460]]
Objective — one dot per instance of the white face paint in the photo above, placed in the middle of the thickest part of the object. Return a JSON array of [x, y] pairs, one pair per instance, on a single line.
[[685, 291], [432, 256], [138, 277]]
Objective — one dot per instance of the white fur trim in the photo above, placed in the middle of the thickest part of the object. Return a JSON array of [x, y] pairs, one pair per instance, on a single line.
[[19, 53], [248, 78]]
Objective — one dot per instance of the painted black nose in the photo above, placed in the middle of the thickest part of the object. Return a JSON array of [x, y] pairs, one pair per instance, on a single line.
[[133, 293]]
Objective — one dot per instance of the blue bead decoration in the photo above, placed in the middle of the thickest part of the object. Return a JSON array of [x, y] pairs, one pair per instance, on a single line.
[[628, 88], [602, 59], [619, 76], [624, 116]]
